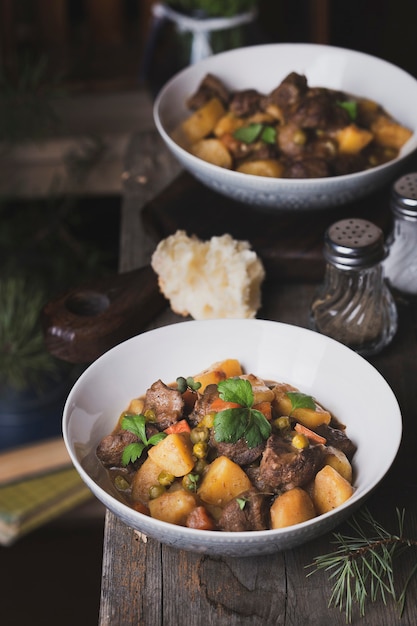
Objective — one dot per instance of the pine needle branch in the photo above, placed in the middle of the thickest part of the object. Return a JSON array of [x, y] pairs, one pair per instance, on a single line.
[[362, 566]]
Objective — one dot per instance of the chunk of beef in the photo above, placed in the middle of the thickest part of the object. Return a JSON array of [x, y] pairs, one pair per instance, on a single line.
[[203, 403], [319, 110], [166, 403], [246, 102], [338, 439], [283, 467], [210, 87], [307, 167], [288, 93], [238, 452], [110, 449], [291, 140], [261, 150], [348, 163], [253, 516]]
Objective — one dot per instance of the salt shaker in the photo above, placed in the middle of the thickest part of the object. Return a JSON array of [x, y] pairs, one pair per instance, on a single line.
[[354, 304], [400, 266]]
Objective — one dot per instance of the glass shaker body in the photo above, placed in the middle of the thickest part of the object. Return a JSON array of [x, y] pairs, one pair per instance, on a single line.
[[400, 266], [354, 305]]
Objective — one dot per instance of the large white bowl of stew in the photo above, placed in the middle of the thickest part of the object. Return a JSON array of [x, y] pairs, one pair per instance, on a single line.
[[302, 163], [344, 385]]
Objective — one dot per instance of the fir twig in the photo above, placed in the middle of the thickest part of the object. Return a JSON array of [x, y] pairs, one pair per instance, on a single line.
[[362, 566]]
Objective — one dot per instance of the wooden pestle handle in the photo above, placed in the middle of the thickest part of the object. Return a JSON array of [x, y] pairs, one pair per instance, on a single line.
[[85, 322]]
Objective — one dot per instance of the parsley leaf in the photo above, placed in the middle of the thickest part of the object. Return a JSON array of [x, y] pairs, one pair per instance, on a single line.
[[238, 390], [241, 502], [132, 453], [248, 134], [351, 107], [136, 424], [230, 425], [300, 400], [269, 134]]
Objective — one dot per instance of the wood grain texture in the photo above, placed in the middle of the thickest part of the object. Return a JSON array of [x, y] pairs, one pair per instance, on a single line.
[[146, 583]]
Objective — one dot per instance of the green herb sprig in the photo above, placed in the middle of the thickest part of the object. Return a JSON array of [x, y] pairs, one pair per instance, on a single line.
[[362, 566], [232, 424], [351, 107], [300, 400], [136, 424], [253, 132]]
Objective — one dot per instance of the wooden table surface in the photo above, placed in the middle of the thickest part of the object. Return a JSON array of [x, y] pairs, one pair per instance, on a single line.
[[146, 583]]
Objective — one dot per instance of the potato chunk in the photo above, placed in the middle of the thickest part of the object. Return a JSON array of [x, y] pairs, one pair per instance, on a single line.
[[271, 168], [339, 461], [217, 372], [145, 478], [202, 122], [353, 139], [390, 134], [173, 506], [330, 490], [227, 125], [213, 151], [174, 454], [308, 417], [223, 481], [292, 507]]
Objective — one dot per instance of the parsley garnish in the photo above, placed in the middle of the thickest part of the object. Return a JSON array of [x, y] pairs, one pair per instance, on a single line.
[[241, 502], [300, 400], [231, 425], [249, 134], [136, 425], [351, 107]]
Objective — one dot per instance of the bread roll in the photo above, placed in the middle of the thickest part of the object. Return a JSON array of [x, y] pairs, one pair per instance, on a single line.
[[219, 278]]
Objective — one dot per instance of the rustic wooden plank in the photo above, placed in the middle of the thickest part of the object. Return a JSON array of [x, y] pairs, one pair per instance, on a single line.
[[149, 168], [289, 243], [145, 582]]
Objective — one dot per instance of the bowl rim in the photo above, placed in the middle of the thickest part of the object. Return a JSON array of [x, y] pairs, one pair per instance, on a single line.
[[227, 537], [409, 147]]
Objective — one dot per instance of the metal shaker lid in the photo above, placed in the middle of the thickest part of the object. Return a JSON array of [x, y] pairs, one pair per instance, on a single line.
[[404, 196], [354, 244]]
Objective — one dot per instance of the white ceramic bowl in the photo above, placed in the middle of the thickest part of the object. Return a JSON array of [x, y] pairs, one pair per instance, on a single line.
[[263, 68], [345, 382]]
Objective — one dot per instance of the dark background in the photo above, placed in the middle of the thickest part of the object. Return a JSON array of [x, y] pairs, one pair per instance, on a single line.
[[53, 575]]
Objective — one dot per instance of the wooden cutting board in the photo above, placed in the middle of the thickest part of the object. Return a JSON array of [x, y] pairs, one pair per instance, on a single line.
[[82, 324], [289, 243]]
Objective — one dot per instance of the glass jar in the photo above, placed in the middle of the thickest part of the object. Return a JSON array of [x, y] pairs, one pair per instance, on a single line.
[[354, 304], [400, 266]]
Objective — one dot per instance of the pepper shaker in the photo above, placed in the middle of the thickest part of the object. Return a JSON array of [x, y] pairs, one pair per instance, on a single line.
[[400, 266], [354, 305]]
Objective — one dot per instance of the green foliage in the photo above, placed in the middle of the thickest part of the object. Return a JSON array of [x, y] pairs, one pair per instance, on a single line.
[[136, 424], [26, 102], [232, 424], [300, 400], [362, 565], [214, 8], [24, 361], [255, 132]]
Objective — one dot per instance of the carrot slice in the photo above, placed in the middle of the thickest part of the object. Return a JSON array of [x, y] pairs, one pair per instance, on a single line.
[[199, 518], [310, 434], [265, 408], [221, 405], [179, 427]]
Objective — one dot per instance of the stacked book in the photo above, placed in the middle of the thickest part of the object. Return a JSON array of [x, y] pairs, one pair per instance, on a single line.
[[37, 484]]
